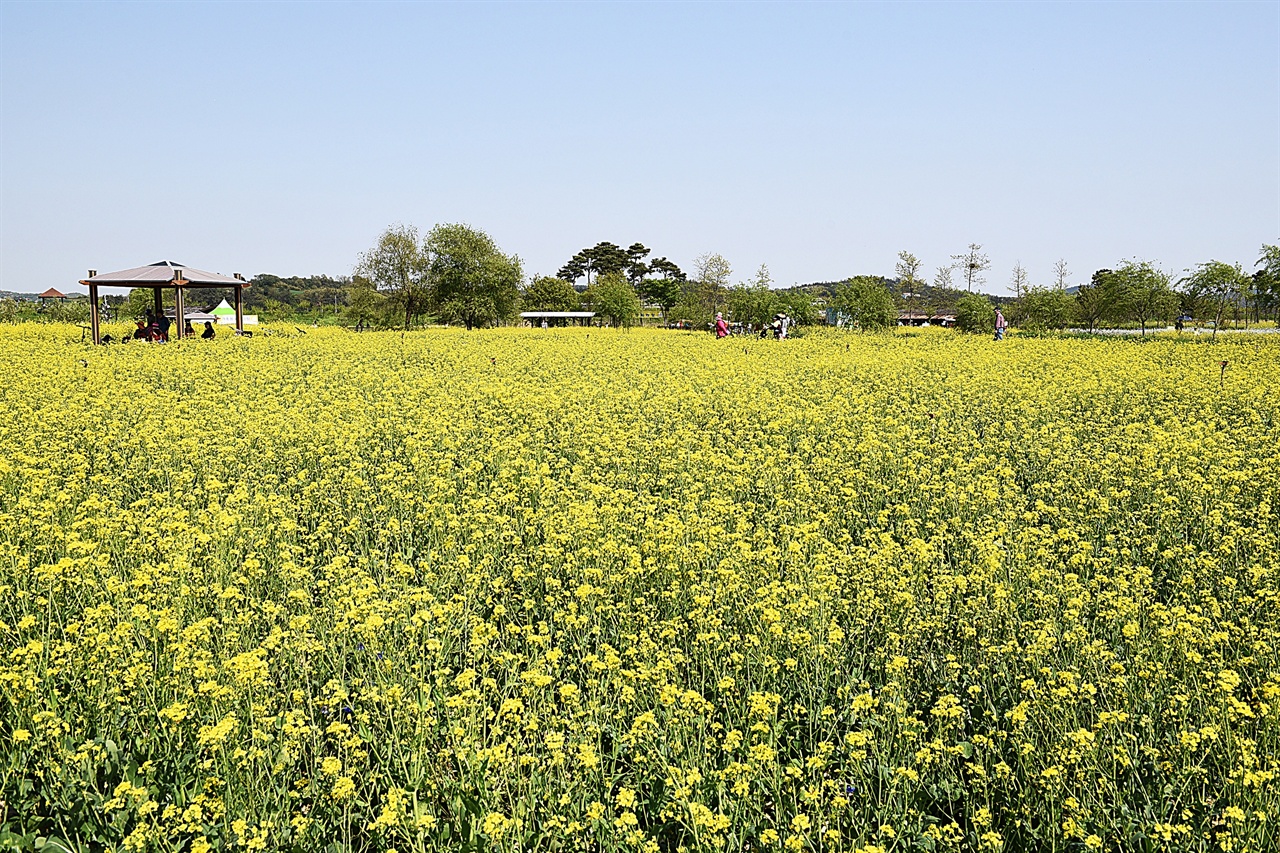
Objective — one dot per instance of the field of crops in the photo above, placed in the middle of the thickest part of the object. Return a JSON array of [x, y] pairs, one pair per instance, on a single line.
[[596, 590]]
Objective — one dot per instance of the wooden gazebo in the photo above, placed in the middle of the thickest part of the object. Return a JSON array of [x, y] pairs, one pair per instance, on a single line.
[[160, 276]]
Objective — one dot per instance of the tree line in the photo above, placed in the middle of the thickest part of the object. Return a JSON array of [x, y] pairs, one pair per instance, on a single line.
[[456, 273], [1137, 294]]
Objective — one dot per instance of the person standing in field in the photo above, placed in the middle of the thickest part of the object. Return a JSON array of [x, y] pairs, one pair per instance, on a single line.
[[722, 327], [1001, 325]]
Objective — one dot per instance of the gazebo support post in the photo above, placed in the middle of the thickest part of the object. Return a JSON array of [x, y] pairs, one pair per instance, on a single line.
[[93, 314], [239, 311], [181, 319], [159, 303]]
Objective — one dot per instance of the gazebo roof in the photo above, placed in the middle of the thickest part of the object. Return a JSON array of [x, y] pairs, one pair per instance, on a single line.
[[165, 274], [53, 293]]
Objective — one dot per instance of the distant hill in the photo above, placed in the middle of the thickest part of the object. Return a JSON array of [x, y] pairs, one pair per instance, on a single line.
[[21, 297]]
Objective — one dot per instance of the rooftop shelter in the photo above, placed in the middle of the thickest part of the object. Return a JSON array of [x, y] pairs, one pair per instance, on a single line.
[[924, 318], [158, 277], [558, 317]]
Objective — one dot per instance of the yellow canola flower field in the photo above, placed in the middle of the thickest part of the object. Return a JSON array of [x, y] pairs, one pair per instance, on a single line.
[[592, 590]]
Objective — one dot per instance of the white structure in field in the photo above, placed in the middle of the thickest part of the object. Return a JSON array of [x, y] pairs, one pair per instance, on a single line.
[[227, 315]]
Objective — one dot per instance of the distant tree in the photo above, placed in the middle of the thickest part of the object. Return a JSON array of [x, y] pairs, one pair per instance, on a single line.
[[1266, 282], [663, 292], [472, 281], [609, 258], [1139, 292], [750, 303], [636, 269], [762, 278], [974, 313], [1216, 284], [140, 301], [972, 265], [1047, 308], [907, 269], [603, 257], [1019, 283], [711, 279], [909, 283], [797, 303], [545, 293], [1091, 300], [612, 297], [942, 278], [1061, 274], [666, 269], [274, 310], [322, 298], [1270, 259], [574, 269], [865, 301], [753, 301], [365, 305], [69, 311], [397, 268], [938, 300], [688, 309]]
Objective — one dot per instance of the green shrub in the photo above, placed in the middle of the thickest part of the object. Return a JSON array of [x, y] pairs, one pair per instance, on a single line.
[[975, 314]]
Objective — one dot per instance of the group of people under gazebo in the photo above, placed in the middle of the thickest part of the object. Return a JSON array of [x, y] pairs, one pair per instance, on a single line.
[[156, 328]]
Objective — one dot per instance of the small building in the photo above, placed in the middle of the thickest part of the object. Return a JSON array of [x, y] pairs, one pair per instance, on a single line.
[[51, 293], [946, 319], [557, 318]]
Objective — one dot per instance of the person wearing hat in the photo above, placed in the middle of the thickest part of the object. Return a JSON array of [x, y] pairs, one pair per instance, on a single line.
[[722, 327], [1001, 325]]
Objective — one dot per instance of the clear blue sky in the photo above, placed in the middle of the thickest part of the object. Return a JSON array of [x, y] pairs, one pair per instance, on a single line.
[[818, 138]]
